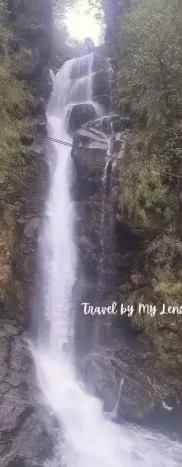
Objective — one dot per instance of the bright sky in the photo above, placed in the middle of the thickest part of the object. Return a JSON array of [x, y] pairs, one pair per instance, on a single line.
[[80, 24]]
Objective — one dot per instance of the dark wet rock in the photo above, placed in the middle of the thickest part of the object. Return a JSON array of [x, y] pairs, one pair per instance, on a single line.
[[42, 127], [21, 433], [80, 114], [87, 244], [117, 144], [99, 62], [104, 125], [89, 134], [104, 101], [89, 153], [121, 124], [132, 385], [100, 84], [27, 140], [88, 241]]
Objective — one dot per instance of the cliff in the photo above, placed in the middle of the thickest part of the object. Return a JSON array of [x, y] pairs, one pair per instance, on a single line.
[[129, 232], [27, 36], [131, 215]]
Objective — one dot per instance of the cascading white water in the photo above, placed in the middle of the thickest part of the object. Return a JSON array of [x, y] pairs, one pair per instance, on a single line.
[[85, 435]]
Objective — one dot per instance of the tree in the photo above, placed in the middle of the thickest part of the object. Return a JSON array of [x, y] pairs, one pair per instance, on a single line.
[[150, 65]]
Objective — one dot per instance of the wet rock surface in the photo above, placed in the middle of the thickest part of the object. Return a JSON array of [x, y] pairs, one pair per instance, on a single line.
[[89, 153], [130, 382], [120, 360], [79, 114], [21, 434], [151, 389]]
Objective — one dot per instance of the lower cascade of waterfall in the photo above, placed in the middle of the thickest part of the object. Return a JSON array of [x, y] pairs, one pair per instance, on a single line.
[[84, 435]]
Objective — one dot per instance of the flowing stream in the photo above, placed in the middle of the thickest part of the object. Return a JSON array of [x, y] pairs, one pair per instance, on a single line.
[[84, 435]]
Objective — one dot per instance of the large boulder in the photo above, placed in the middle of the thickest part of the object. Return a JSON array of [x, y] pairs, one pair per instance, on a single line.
[[90, 152], [79, 114], [109, 124]]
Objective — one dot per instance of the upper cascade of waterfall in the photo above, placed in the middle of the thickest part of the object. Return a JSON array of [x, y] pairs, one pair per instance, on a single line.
[[70, 106], [73, 87]]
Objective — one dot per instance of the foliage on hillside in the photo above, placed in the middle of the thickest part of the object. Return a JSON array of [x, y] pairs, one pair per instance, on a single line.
[[13, 109], [148, 51], [25, 36]]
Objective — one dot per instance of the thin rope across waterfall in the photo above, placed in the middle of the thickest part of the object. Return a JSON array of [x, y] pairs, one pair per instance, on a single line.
[[58, 141]]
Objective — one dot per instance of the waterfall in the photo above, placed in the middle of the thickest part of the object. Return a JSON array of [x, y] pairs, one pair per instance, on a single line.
[[107, 215], [103, 328], [104, 191], [84, 435]]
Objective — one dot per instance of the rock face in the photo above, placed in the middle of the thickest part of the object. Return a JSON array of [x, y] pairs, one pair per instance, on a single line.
[[129, 381], [95, 150], [89, 152], [79, 114], [121, 365], [21, 435]]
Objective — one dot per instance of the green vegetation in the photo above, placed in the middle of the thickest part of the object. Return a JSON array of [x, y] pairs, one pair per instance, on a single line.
[[13, 109], [148, 52]]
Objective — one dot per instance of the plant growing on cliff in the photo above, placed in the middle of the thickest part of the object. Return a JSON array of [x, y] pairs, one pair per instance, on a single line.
[[149, 83]]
